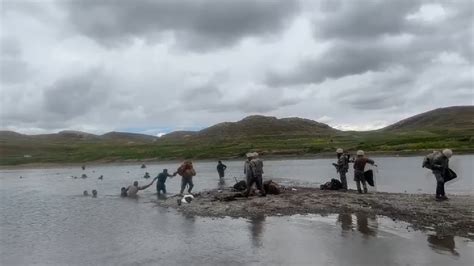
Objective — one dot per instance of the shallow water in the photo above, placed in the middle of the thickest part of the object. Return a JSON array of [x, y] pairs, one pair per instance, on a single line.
[[44, 220]]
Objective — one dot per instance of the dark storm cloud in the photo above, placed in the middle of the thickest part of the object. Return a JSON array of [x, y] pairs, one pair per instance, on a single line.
[[341, 60], [76, 96], [367, 19], [376, 36], [196, 24]]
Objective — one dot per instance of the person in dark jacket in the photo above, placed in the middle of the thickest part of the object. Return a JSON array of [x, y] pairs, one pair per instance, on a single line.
[[342, 166], [161, 177], [439, 168], [221, 170], [359, 165]]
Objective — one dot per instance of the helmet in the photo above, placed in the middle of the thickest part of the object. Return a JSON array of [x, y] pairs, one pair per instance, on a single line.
[[448, 153], [360, 153], [339, 150]]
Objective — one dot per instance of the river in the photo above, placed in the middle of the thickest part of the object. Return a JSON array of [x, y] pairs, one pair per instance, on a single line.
[[45, 220]]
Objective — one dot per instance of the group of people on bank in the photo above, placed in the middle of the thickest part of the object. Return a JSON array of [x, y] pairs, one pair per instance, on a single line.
[[438, 162]]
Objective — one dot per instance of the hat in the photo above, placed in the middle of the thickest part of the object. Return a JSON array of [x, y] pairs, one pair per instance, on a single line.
[[360, 153], [252, 154], [339, 150], [448, 153]]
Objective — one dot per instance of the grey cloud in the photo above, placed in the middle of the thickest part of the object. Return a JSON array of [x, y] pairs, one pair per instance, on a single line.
[[13, 70], [356, 48], [9, 47], [367, 19], [341, 60], [75, 96], [258, 100], [196, 23]]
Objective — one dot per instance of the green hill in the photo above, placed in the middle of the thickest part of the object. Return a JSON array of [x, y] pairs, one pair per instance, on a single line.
[[445, 127]]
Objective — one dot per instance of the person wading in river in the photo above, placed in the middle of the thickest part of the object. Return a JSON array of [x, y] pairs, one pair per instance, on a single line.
[[254, 172], [342, 166], [133, 189], [161, 177], [359, 165], [221, 170], [186, 171]]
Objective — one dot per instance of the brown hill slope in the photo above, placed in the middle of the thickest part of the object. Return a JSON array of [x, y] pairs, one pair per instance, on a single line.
[[441, 119]]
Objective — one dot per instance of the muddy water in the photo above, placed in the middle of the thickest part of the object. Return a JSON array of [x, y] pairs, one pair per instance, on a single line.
[[44, 220]]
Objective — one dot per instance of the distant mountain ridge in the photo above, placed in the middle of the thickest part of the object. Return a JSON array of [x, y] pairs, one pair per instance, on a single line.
[[455, 117]]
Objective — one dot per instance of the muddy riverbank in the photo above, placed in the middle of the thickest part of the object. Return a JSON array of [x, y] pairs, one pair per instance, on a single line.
[[452, 217]]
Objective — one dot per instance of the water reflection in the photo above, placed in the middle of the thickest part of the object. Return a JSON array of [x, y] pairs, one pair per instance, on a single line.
[[345, 220], [442, 244], [256, 226], [366, 225]]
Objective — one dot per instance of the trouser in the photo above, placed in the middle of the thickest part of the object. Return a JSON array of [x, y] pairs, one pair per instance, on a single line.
[[160, 187], [221, 175], [258, 182], [186, 181], [342, 175], [360, 178], [439, 183]]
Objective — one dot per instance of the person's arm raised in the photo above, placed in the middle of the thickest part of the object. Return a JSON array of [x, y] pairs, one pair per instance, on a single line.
[[145, 187]]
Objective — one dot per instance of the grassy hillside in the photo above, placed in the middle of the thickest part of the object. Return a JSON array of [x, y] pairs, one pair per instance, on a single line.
[[448, 127]]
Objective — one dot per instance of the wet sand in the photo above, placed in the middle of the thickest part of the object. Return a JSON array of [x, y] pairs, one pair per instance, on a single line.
[[452, 217]]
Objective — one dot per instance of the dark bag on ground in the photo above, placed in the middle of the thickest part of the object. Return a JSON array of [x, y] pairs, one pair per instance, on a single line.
[[334, 184], [449, 175], [240, 186], [271, 187], [369, 177]]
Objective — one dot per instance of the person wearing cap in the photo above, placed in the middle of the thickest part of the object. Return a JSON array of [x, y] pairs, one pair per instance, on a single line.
[[342, 166], [161, 177], [440, 166], [359, 165], [254, 172]]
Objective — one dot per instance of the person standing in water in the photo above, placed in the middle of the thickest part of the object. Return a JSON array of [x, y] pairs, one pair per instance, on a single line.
[[221, 170], [342, 166], [161, 177], [133, 189], [359, 165]]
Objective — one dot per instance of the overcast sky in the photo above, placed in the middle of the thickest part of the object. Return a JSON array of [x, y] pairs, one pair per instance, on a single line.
[[157, 66]]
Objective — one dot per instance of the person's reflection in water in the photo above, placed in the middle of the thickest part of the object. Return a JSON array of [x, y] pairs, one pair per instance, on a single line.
[[256, 230], [442, 244], [221, 184], [363, 225], [346, 222]]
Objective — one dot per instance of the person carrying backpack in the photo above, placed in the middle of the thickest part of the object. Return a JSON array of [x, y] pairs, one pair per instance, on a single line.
[[342, 166], [254, 171], [438, 163], [186, 171]]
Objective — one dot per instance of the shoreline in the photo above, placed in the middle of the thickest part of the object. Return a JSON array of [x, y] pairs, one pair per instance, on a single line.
[[177, 161], [421, 211]]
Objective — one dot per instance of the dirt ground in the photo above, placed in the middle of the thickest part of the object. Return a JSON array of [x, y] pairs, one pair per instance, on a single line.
[[452, 217]]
